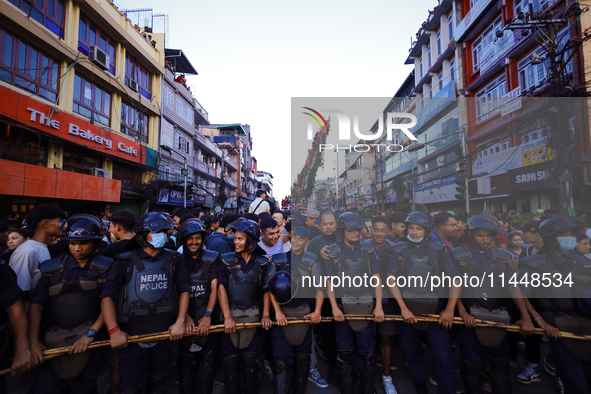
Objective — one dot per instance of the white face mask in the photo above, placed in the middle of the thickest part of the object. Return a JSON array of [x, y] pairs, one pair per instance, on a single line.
[[412, 240], [158, 240]]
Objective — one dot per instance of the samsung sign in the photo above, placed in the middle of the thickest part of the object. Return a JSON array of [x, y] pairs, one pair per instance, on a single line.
[[532, 177]]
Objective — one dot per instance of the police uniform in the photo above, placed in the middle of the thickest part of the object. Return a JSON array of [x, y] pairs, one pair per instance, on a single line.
[[244, 284], [354, 336], [382, 256], [568, 308], [145, 290], [197, 353], [70, 297], [10, 293], [429, 259], [489, 303], [292, 343]]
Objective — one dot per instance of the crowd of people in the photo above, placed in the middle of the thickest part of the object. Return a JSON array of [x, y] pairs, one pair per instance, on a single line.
[[73, 281]]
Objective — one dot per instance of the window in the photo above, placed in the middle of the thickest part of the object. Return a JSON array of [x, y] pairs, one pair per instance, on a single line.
[[452, 69], [439, 42], [134, 70], [483, 41], [91, 101], [487, 100], [440, 78], [421, 68], [476, 47], [430, 90], [532, 75], [184, 110], [27, 67], [50, 13], [450, 26], [429, 56], [90, 34], [22, 145], [81, 161], [168, 96], [134, 123], [183, 144]]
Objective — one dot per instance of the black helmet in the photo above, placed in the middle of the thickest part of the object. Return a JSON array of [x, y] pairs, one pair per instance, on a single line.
[[280, 287], [190, 227], [252, 230], [420, 218], [483, 222], [83, 228], [153, 222], [350, 221], [554, 225]]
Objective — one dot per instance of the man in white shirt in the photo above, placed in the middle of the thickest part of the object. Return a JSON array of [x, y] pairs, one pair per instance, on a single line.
[[45, 221], [259, 205], [270, 240]]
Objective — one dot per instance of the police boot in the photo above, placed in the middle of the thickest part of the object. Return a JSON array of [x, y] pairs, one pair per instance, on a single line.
[[250, 371], [280, 377], [472, 377], [301, 370], [232, 374], [369, 375], [186, 369], [500, 379], [157, 384], [345, 370], [421, 388], [205, 373]]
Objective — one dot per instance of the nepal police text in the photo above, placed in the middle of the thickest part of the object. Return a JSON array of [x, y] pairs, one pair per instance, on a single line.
[[153, 282]]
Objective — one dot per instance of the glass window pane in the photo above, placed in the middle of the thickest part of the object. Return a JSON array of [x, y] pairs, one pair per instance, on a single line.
[[45, 70], [22, 54], [54, 76], [87, 89], [40, 4], [51, 8], [82, 28], [92, 34], [98, 100], [8, 50], [77, 87], [60, 11], [112, 52], [103, 42], [107, 104], [33, 65]]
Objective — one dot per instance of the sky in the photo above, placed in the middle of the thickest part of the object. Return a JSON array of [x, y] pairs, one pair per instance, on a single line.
[[253, 57]]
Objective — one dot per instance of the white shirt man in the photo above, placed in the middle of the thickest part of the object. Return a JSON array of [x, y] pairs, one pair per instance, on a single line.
[[259, 205]]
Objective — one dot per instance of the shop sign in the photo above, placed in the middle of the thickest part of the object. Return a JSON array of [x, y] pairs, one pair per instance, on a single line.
[[437, 190], [532, 177], [172, 197]]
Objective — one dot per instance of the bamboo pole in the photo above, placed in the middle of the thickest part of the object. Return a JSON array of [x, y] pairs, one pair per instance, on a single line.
[[52, 353]]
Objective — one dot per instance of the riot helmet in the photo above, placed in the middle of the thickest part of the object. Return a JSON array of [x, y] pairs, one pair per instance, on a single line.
[[83, 228], [483, 222], [152, 222], [280, 287], [250, 228], [190, 227], [420, 218], [550, 228]]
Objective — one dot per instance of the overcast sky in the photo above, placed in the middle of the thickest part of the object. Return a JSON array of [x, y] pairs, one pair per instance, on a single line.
[[253, 56]]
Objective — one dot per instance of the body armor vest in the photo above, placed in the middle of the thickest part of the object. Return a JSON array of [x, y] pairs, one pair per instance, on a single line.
[[148, 301], [419, 299], [73, 303], [200, 282], [74, 306]]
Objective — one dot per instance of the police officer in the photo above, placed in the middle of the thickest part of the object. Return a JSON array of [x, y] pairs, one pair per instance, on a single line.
[[562, 306], [489, 300], [68, 294], [349, 259], [13, 314], [146, 291], [291, 297], [196, 357], [419, 256], [243, 298]]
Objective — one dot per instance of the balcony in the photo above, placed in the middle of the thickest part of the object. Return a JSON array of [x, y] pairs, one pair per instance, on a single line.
[[203, 167], [230, 181], [231, 163], [201, 110], [205, 142]]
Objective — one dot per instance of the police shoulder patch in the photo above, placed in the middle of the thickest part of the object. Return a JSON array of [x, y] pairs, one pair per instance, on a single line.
[[309, 258], [279, 258], [262, 260], [209, 256], [436, 245], [535, 261], [102, 263], [229, 258], [52, 266], [399, 247], [367, 246], [461, 253]]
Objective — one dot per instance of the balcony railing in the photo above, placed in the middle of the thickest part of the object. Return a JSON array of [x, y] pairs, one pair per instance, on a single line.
[[201, 109], [231, 163], [207, 143], [230, 181], [203, 167]]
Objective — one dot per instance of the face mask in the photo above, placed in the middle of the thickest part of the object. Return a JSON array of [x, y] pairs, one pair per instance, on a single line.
[[567, 243], [412, 240], [158, 240]]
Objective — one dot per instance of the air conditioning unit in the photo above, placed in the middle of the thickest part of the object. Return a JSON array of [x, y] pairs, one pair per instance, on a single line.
[[99, 57], [132, 84], [100, 172]]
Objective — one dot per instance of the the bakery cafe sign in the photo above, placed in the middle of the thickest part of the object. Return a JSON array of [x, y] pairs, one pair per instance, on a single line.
[[92, 136]]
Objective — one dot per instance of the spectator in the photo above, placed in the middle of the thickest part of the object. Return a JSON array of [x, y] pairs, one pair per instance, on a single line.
[[198, 212], [15, 239], [178, 213], [515, 243], [445, 228], [45, 222], [218, 240], [270, 240], [312, 215], [259, 204], [122, 229]]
